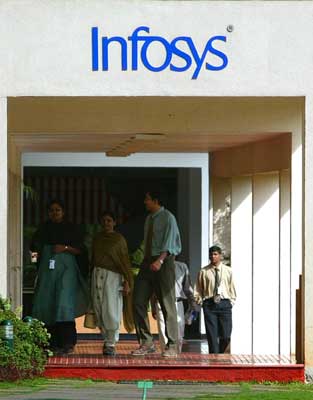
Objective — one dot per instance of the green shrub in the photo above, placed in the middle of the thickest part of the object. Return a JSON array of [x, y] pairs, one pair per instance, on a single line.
[[31, 340]]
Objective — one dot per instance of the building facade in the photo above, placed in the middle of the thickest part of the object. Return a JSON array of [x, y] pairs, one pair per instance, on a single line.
[[149, 82]]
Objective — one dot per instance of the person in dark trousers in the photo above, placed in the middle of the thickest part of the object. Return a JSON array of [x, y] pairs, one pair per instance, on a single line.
[[61, 292], [184, 293], [215, 291], [157, 276]]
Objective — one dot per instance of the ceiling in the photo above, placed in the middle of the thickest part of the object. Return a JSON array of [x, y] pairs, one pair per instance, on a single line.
[[125, 125]]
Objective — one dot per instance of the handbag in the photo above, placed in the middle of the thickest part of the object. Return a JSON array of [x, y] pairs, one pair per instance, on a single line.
[[90, 321]]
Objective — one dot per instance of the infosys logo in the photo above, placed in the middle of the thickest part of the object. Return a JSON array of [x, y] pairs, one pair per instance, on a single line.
[[178, 55]]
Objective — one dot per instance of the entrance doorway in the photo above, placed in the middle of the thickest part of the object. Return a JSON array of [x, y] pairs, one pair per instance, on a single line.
[[87, 191], [237, 134]]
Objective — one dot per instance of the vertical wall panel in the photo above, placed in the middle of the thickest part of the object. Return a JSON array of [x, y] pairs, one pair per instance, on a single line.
[[194, 219], [14, 231], [296, 225], [307, 314], [87, 200], [189, 217], [266, 213], [46, 198], [241, 262], [37, 188], [71, 199], [79, 201], [285, 297], [221, 188], [3, 196]]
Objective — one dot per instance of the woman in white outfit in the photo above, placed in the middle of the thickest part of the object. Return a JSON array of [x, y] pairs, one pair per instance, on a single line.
[[111, 282]]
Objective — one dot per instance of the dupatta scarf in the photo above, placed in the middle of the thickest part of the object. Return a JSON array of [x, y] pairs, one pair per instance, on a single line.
[[113, 245]]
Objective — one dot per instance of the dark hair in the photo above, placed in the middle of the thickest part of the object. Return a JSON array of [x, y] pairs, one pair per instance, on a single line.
[[55, 201], [109, 213], [214, 249], [156, 194]]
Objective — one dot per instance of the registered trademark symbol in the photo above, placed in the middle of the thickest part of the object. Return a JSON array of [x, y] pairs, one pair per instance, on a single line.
[[230, 28]]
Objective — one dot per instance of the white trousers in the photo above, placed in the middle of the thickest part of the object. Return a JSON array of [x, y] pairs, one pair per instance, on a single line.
[[107, 301], [180, 324]]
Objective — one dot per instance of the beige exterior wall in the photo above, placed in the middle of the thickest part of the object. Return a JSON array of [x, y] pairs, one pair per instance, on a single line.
[[308, 234], [49, 51], [15, 274], [3, 197], [254, 181], [269, 52]]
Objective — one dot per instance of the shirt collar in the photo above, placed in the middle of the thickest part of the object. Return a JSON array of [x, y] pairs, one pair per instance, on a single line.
[[217, 267], [153, 215]]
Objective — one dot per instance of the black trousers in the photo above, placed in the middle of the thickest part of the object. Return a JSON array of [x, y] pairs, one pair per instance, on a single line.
[[63, 334], [162, 284], [218, 324]]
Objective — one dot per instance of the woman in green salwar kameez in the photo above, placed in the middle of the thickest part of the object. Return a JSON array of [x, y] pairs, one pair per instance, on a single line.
[[111, 283], [60, 293]]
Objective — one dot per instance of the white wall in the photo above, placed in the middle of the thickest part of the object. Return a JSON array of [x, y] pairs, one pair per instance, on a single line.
[[242, 263], [49, 50], [279, 222], [266, 283], [221, 191], [189, 209], [168, 160], [298, 219], [3, 197], [270, 54], [260, 258], [308, 233], [287, 324]]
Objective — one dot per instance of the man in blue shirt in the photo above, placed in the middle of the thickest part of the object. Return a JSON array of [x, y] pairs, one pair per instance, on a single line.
[[157, 275]]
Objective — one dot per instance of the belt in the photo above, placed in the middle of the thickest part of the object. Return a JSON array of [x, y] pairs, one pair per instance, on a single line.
[[211, 299]]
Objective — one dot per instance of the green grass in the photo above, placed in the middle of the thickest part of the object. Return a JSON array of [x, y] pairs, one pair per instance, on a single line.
[[37, 384], [264, 391], [242, 391], [270, 395], [42, 383], [26, 383], [28, 386]]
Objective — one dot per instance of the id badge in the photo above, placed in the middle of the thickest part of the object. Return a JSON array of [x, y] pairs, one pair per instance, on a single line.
[[51, 264], [219, 290]]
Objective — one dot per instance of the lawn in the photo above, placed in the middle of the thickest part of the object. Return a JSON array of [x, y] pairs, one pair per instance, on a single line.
[[270, 395], [262, 392], [170, 391]]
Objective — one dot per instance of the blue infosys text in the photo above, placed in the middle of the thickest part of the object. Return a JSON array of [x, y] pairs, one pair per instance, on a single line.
[[180, 54]]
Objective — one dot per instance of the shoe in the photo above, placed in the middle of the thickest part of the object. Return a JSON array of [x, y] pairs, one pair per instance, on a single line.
[[56, 351], [64, 351], [169, 353], [108, 351], [143, 350], [68, 349], [180, 346]]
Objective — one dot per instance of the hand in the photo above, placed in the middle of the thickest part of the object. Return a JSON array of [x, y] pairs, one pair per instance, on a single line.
[[156, 266], [196, 307], [59, 248], [126, 288]]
